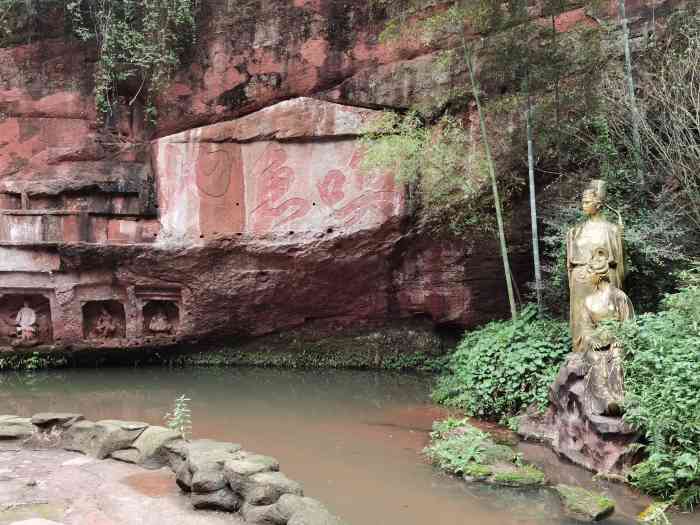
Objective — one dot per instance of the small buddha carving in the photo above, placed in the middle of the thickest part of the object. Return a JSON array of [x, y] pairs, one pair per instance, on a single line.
[[26, 325], [105, 327], [159, 323]]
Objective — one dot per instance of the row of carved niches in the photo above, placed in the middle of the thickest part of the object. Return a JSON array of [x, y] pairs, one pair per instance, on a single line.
[[25, 319], [37, 227], [105, 320], [94, 202]]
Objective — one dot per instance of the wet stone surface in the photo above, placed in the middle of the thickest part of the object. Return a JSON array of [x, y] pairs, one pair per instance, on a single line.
[[71, 489]]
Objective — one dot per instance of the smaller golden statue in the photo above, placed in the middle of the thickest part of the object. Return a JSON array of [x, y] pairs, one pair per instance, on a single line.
[[604, 382]]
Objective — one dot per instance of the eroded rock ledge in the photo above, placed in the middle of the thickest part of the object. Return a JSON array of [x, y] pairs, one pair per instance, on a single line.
[[213, 474]]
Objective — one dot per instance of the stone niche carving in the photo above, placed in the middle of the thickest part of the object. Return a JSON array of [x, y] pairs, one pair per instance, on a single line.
[[104, 320], [25, 319], [161, 318]]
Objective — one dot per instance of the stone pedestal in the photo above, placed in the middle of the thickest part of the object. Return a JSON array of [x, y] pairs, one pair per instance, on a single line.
[[598, 443]]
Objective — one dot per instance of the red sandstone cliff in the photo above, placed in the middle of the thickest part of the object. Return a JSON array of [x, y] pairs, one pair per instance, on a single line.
[[246, 213]]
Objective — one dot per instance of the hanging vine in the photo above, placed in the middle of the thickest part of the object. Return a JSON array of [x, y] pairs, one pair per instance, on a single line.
[[139, 44]]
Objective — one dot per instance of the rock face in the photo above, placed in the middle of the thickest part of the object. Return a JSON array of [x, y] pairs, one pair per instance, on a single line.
[[598, 443], [244, 212], [265, 223]]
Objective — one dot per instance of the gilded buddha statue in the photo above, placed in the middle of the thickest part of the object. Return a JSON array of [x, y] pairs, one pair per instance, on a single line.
[[583, 241]]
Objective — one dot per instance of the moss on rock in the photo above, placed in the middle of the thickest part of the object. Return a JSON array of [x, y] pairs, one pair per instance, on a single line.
[[582, 504], [477, 471], [525, 476]]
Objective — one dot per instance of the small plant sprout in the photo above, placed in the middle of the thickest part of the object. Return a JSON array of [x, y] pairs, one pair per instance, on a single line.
[[180, 418]]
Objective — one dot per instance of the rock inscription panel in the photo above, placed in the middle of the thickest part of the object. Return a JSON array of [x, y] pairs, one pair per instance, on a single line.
[[213, 182]]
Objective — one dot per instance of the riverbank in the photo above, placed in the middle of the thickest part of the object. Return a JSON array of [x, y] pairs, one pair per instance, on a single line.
[[72, 489], [397, 346], [211, 475]]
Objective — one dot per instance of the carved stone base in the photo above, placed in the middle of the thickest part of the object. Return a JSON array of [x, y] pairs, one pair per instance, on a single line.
[[598, 443]]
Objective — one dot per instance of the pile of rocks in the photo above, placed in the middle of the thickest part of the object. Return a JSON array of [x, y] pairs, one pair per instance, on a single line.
[[214, 474]]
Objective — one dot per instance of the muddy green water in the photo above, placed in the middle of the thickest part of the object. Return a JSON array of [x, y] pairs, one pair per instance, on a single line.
[[352, 438]]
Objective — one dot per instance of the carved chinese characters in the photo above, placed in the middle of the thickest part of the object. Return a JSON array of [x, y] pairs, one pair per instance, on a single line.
[[296, 169]]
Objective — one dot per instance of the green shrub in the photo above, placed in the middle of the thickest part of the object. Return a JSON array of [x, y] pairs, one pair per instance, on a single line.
[[501, 368], [460, 452], [662, 380]]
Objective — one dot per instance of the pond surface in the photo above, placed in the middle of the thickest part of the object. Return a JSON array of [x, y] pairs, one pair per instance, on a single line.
[[352, 438]]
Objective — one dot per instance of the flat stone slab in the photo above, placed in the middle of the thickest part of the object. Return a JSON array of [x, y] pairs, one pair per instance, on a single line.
[[69, 492], [12, 427], [45, 419]]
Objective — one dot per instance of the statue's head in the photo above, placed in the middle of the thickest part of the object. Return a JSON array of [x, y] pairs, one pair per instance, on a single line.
[[26, 304], [599, 267], [593, 197]]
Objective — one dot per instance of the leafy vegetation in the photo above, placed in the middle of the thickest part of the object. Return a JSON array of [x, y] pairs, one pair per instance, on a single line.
[[462, 449], [661, 216], [180, 418], [32, 362], [431, 160], [503, 367], [139, 42], [457, 452], [661, 379]]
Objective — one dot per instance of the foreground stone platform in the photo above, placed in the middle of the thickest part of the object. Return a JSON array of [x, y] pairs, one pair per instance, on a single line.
[[72, 489], [46, 480]]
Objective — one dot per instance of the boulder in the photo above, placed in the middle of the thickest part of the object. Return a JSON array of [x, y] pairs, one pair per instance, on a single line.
[[222, 499], [268, 462], [267, 514], [243, 467], [13, 427], [149, 450], [291, 504], [525, 476], [79, 436], [208, 479], [598, 443], [47, 420], [584, 505], [112, 435], [199, 465], [176, 452], [267, 487], [314, 516], [237, 471], [203, 470], [183, 478]]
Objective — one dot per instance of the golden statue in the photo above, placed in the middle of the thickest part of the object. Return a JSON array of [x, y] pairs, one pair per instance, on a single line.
[[603, 384], [582, 242]]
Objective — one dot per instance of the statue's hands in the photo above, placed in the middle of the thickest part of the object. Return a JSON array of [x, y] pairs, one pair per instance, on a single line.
[[596, 344]]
